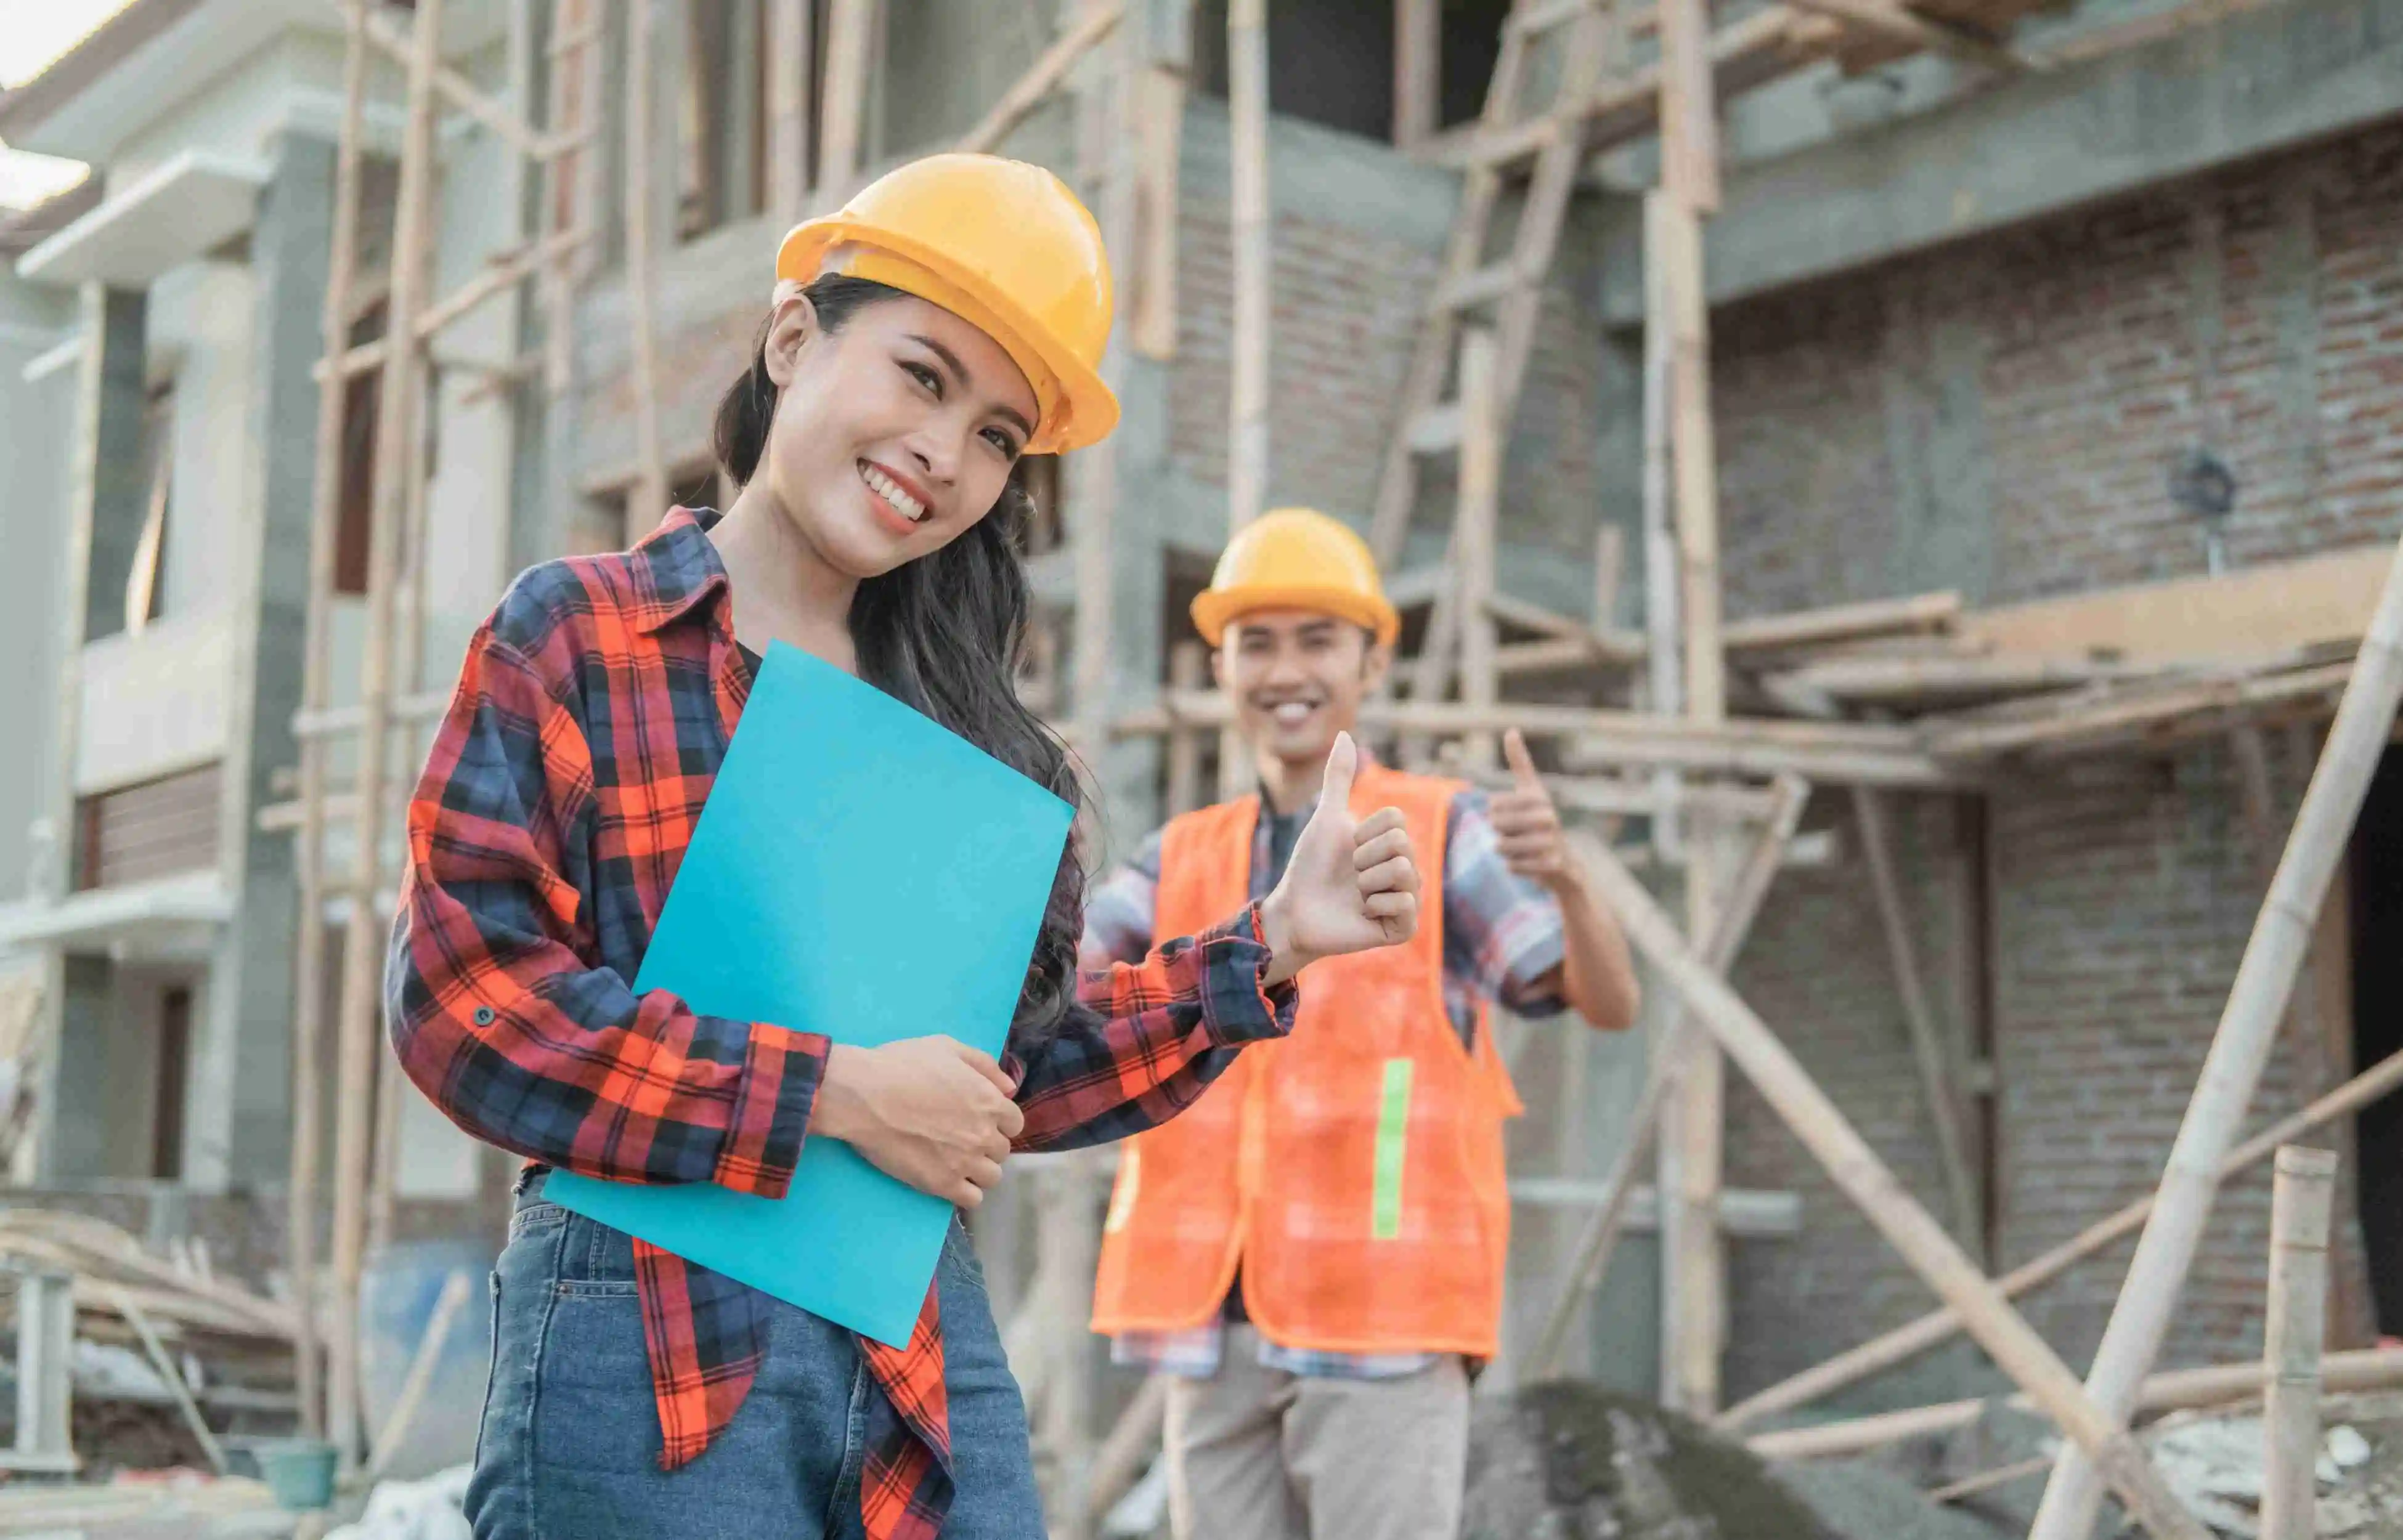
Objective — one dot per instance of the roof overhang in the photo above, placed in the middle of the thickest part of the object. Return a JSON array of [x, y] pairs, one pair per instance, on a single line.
[[182, 210], [139, 916]]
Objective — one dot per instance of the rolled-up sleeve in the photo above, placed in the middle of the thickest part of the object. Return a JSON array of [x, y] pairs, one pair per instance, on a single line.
[[1144, 1039], [495, 1008]]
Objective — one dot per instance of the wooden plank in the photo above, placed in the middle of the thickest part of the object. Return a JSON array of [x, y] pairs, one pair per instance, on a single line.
[[1041, 79], [2250, 612], [1247, 107], [2241, 1044], [1927, 1044], [1916, 1336], [2300, 1202], [1916, 33], [2207, 706], [1855, 1170], [1418, 70]]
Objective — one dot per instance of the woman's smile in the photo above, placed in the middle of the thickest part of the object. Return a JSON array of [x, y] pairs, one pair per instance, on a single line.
[[900, 502]]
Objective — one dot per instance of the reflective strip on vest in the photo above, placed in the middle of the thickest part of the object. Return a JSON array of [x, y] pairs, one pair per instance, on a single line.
[[1393, 1147]]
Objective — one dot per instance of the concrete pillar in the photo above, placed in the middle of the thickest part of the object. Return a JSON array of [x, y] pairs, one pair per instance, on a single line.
[[239, 1104], [75, 1108]]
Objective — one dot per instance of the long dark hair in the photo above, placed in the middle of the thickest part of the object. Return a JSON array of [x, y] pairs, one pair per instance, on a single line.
[[944, 633]]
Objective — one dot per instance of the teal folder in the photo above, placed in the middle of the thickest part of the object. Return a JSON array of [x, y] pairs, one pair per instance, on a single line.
[[861, 872]]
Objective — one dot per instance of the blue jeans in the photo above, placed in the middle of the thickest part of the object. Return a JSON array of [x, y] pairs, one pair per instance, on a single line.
[[569, 1445]]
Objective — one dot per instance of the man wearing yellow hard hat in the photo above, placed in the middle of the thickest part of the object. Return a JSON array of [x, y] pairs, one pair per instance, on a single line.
[[948, 321], [1313, 1251]]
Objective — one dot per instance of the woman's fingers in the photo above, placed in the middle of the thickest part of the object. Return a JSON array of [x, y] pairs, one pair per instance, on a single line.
[[965, 1194], [1011, 1119], [985, 1173], [984, 1064]]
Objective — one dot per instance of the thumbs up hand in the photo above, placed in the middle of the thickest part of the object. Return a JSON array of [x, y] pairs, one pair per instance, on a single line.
[[1351, 885], [1526, 825]]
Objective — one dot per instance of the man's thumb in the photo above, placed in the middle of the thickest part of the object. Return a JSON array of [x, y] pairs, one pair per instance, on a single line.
[[1342, 761], [1523, 764]]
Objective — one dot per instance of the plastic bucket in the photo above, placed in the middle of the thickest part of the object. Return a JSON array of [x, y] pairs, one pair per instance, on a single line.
[[298, 1471]]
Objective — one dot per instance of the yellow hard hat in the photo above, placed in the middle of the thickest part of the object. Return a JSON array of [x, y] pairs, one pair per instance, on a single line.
[[1296, 558], [1005, 246]]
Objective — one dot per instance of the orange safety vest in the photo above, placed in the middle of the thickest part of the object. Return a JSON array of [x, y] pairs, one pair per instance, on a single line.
[[1353, 1171]]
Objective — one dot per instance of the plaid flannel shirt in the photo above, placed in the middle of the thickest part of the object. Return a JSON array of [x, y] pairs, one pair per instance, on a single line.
[[590, 718], [1502, 939]]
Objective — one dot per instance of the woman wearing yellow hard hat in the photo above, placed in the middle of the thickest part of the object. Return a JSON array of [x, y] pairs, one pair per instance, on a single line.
[[949, 320]]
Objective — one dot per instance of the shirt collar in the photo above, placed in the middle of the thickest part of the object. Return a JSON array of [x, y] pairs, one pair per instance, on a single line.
[[676, 567]]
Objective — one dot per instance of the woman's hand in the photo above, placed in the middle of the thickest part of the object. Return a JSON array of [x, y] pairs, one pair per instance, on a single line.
[[1351, 885], [933, 1112]]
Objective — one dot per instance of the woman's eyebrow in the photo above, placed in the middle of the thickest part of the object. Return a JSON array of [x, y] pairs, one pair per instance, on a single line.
[[966, 381]]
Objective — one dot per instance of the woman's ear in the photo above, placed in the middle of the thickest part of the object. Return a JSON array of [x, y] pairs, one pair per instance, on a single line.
[[790, 325]]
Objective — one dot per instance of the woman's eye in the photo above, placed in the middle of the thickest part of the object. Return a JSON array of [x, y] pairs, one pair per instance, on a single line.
[[925, 376], [1002, 441]]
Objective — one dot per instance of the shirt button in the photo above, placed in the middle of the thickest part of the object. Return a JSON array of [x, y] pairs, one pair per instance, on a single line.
[[483, 1016]]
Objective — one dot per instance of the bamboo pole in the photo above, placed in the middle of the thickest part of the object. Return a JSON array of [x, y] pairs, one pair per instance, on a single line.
[[1591, 1258], [165, 1368], [1917, 1337], [1927, 1037], [849, 46], [2300, 1204], [1693, 1253], [1161, 129], [2180, 1390], [1473, 532], [1418, 71], [1188, 663], [420, 1377], [647, 498], [1857, 1170], [1247, 408], [398, 409], [2239, 1046], [1041, 79], [1120, 1458], [316, 669], [792, 28]]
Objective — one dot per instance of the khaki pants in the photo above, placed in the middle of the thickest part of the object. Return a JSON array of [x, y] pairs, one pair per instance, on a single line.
[[1255, 1453]]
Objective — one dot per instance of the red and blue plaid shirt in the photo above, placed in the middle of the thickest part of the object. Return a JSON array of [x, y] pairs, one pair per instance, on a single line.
[[591, 716]]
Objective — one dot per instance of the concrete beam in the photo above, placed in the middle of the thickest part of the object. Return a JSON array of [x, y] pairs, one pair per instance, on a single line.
[[2240, 86]]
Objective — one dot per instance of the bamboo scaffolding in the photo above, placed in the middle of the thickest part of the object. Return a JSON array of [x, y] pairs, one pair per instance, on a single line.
[[2370, 1369], [397, 408], [308, 856], [1590, 1262], [1248, 227], [1473, 536], [2300, 1201], [1041, 79], [1857, 1171], [1909, 1340], [2240, 1046], [1927, 1037], [850, 25], [647, 498], [792, 28]]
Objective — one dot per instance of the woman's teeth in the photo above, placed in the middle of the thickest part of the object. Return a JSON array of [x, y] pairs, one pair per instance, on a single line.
[[885, 487]]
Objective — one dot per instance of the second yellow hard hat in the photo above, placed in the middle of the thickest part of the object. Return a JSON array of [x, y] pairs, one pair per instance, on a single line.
[[1296, 558], [1002, 245]]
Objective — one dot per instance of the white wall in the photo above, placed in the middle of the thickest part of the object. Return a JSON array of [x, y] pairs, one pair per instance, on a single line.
[[37, 422]]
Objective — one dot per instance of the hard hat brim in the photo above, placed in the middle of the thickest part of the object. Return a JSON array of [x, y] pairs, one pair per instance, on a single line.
[[1214, 609], [1090, 406]]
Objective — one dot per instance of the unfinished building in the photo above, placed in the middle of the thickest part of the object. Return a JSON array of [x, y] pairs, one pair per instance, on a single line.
[[2051, 356]]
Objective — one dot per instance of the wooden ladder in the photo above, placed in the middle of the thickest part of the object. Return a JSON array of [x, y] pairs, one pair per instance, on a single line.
[[1511, 284]]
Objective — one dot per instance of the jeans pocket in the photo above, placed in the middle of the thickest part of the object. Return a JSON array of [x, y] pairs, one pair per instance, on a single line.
[[535, 1218], [958, 1261]]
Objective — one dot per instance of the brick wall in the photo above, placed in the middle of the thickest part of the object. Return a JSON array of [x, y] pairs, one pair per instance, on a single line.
[[1346, 305], [2000, 416]]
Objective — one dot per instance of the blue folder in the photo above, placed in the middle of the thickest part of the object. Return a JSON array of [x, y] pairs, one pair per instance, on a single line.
[[861, 872]]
